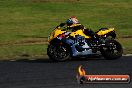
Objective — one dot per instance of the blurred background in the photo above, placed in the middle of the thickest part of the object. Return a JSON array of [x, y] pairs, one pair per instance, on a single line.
[[26, 24]]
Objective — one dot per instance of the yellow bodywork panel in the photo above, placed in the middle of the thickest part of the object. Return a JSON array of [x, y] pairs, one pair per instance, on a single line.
[[73, 25], [103, 32], [55, 33], [58, 31], [79, 32]]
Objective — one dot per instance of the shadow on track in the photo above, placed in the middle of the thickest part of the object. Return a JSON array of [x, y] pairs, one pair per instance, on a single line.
[[47, 60]]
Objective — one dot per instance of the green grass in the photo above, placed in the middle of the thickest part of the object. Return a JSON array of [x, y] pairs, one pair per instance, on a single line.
[[22, 19], [25, 17], [127, 45], [22, 51]]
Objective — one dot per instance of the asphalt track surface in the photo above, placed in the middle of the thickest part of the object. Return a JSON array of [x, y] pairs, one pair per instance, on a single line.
[[48, 74]]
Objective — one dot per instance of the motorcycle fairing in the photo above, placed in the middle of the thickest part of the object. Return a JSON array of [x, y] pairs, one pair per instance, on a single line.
[[74, 43], [59, 31], [55, 33]]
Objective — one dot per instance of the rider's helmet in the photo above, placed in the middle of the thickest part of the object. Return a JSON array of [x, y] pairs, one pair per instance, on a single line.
[[72, 20]]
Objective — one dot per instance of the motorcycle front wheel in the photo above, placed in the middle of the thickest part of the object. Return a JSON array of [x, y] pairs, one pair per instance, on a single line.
[[58, 53]]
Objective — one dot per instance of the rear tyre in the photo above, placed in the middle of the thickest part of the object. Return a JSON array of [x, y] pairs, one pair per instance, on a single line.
[[112, 50], [58, 53]]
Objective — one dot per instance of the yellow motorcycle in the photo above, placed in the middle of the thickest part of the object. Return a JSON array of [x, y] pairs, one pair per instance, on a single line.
[[64, 44]]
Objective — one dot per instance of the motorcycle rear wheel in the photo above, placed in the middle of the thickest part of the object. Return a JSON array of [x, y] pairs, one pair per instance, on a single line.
[[113, 50]]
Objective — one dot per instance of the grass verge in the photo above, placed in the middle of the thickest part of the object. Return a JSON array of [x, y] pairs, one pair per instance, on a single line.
[[16, 52]]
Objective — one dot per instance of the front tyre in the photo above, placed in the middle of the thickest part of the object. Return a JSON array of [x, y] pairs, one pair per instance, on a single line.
[[58, 53], [112, 50]]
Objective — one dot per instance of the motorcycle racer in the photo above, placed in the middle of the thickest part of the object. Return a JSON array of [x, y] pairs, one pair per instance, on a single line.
[[73, 24], [72, 39]]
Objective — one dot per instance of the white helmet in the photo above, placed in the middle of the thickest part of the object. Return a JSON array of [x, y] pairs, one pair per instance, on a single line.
[[74, 19]]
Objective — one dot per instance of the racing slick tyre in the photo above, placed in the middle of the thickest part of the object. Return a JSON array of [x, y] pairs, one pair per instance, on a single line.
[[112, 50], [58, 53]]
